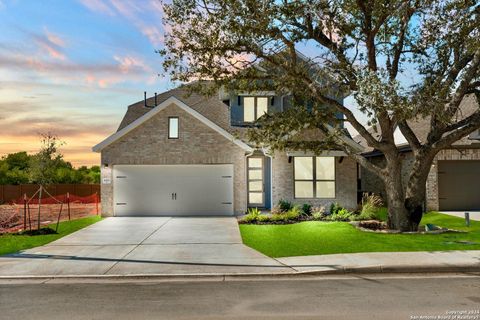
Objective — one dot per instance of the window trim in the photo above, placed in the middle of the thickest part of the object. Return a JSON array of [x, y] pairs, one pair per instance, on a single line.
[[178, 128], [255, 107], [314, 178]]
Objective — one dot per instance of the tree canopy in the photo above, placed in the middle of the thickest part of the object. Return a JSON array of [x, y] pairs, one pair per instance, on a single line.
[[400, 60], [44, 167]]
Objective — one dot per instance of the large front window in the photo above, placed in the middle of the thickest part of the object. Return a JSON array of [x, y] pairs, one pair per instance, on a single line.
[[314, 177], [254, 108]]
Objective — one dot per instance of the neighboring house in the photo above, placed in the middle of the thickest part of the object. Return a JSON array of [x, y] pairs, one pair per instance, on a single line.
[[183, 154], [454, 178]]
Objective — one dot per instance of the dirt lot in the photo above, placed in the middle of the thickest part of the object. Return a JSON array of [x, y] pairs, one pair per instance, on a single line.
[[12, 216]]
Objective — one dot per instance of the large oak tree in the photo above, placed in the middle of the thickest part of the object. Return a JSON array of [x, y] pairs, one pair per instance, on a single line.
[[400, 59]]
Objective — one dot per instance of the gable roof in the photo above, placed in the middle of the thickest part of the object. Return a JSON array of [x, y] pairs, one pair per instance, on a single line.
[[152, 112], [209, 106]]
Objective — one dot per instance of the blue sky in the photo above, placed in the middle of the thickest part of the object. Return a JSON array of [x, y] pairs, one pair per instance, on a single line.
[[72, 67]]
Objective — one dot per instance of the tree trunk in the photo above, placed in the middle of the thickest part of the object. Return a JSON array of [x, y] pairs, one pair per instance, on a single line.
[[406, 205], [415, 193]]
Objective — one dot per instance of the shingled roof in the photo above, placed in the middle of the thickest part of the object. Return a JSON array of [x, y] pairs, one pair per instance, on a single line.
[[209, 106], [421, 126]]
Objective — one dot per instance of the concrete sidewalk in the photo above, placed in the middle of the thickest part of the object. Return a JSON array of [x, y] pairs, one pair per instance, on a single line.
[[377, 262], [474, 215], [361, 263]]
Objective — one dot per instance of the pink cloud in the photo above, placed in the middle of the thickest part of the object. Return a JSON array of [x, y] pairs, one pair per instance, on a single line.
[[50, 43], [98, 6]]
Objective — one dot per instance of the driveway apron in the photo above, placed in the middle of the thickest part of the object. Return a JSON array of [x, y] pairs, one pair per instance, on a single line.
[[145, 246]]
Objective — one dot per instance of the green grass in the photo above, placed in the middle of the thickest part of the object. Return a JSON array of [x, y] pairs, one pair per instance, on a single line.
[[10, 243], [318, 237]]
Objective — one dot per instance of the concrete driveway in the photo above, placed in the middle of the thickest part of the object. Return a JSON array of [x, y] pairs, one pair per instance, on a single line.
[[133, 246]]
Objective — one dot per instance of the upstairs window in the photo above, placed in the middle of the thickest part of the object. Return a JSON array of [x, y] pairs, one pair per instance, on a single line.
[[254, 108], [314, 177], [173, 128]]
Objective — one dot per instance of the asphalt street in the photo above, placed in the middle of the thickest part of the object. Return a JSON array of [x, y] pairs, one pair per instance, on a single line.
[[329, 297]]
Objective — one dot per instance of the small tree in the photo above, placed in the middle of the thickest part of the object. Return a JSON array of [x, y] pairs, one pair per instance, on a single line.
[[401, 60], [44, 164]]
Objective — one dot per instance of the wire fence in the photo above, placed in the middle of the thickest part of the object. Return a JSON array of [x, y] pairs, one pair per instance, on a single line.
[[26, 213]]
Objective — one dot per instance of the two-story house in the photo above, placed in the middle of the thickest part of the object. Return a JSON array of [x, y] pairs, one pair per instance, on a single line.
[[182, 153]]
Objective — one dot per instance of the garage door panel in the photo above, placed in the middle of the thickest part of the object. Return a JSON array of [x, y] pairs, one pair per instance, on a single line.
[[196, 195], [458, 184], [170, 190]]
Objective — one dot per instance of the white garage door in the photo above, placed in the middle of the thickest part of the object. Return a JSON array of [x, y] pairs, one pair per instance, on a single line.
[[173, 190]]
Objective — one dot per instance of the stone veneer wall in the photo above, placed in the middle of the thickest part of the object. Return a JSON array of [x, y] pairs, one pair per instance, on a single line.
[[346, 183], [197, 144]]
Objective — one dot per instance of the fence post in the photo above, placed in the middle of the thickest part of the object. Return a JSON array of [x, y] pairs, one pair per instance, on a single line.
[[68, 205], [96, 202], [24, 211]]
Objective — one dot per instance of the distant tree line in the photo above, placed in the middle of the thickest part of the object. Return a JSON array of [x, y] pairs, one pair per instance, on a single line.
[[22, 168]]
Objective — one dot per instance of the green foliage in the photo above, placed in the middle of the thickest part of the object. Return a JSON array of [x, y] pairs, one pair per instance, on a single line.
[[263, 218], [334, 208], [285, 205], [307, 209], [251, 216], [341, 215], [370, 207], [22, 168], [318, 216], [254, 215]]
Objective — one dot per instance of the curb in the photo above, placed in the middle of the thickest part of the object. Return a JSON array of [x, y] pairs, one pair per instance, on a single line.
[[247, 276]]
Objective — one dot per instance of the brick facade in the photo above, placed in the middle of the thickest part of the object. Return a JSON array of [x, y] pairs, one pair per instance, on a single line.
[[345, 182], [197, 144]]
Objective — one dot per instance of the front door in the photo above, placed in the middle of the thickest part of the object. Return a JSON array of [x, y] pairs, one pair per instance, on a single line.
[[256, 183]]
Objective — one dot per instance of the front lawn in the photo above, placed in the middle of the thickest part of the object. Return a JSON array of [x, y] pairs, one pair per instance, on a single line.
[[10, 243], [319, 237]]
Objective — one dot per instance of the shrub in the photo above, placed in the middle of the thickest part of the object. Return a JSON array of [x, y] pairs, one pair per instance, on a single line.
[[369, 207], [335, 208], [341, 215], [294, 213], [263, 218], [252, 215], [318, 216], [285, 205], [320, 210], [276, 210], [307, 209]]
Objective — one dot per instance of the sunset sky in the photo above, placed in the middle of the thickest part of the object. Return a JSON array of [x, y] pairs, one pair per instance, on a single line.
[[72, 67]]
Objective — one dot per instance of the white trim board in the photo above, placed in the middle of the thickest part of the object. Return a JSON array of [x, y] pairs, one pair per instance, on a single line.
[[172, 100]]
